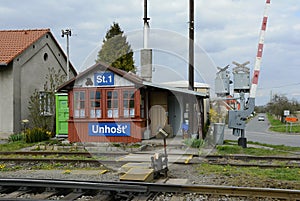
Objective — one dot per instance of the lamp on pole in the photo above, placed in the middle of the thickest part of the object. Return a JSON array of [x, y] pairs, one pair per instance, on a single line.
[[68, 33]]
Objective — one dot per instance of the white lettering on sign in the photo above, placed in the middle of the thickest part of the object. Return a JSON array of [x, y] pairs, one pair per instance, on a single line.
[[102, 79], [109, 129]]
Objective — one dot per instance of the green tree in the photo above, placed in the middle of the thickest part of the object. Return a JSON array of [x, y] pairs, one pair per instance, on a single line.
[[280, 103], [116, 51]]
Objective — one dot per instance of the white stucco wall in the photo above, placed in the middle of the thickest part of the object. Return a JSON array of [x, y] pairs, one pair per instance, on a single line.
[[6, 100]]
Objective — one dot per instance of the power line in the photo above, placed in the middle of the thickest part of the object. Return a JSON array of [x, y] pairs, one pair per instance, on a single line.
[[281, 86]]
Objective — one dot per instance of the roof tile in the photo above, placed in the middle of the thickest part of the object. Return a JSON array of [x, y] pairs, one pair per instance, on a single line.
[[14, 42]]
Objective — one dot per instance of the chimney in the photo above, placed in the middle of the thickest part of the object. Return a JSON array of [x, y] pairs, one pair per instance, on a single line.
[[146, 64], [146, 53]]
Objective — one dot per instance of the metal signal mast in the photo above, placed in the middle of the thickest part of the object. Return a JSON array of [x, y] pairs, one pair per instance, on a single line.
[[237, 118]]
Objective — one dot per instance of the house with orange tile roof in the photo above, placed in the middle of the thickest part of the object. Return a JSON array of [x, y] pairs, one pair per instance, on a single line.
[[25, 59]]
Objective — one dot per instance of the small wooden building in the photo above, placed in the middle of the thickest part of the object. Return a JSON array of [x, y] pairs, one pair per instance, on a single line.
[[110, 105]]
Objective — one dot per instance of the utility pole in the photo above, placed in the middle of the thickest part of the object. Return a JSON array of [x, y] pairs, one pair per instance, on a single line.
[[191, 67], [146, 25], [68, 33], [191, 46]]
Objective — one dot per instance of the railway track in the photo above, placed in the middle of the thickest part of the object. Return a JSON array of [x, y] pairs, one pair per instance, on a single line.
[[91, 154], [254, 161], [41, 189], [111, 158]]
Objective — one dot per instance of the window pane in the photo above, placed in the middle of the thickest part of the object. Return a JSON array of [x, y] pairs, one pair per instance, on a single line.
[[82, 113], [125, 94], [97, 103], [98, 95], [92, 113], [132, 112], [76, 100], [82, 95], [125, 104], [115, 94], [126, 112], [132, 95], [75, 96], [109, 113], [109, 95], [82, 105], [76, 113], [92, 95], [131, 103], [116, 113], [79, 104], [109, 104], [112, 103], [128, 103], [98, 113], [115, 104]]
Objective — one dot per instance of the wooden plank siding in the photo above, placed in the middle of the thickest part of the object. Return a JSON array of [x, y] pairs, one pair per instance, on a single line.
[[78, 127]]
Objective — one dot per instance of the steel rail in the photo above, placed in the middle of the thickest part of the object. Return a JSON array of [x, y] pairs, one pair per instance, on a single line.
[[72, 184], [87, 154], [90, 154], [154, 187], [60, 160], [211, 160], [90, 161]]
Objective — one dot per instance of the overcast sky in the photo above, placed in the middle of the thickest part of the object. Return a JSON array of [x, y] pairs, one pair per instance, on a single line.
[[225, 31]]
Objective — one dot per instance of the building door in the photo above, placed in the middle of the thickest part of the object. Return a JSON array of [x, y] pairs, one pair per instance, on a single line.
[[62, 114], [175, 117], [158, 111]]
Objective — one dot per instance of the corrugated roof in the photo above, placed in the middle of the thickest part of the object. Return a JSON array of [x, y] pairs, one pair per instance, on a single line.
[[14, 42], [174, 89]]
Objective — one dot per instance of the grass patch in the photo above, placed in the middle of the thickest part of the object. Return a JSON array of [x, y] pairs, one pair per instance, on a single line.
[[46, 166], [235, 149], [278, 126], [231, 147], [13, 146], [283, 174], [278, 147]]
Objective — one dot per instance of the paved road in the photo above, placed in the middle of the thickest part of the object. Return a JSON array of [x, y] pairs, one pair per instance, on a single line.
[[257, 131]]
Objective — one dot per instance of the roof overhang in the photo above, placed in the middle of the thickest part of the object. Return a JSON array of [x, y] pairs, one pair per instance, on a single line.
[[173, 89]]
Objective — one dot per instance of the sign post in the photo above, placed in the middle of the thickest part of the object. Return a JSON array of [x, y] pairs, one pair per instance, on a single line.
[[290, 120]]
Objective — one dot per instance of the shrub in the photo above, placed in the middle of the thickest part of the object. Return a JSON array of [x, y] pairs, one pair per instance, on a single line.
[[16, 137], [195, 143], [36, 135]]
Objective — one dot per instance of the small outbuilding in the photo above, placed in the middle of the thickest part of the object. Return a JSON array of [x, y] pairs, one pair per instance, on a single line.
[[107, 104]]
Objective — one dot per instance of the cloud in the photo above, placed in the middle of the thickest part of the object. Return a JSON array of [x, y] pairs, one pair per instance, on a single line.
[[227, 30]]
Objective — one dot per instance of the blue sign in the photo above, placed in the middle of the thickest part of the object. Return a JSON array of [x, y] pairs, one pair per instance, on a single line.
[[185, 127], [109, 129], [104, 79]]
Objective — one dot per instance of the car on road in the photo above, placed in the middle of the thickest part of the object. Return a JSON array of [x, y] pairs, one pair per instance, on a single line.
[[261, 118]]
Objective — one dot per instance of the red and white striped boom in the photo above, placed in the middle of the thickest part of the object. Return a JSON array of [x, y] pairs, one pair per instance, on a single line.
[[259, 51]]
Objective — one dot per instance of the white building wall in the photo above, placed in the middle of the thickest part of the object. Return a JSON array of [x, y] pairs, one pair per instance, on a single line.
[[6, 100]]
